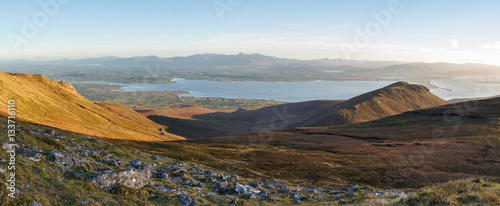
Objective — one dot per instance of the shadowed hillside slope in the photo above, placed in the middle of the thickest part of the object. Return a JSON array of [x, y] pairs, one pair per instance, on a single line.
[[391, 100], [57, 104]]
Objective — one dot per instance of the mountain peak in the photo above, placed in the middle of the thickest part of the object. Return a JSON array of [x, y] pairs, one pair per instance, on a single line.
[[414, 87], [391, 100]]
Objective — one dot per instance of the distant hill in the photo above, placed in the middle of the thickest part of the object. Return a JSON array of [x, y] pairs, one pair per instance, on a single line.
[[57, 104], [391, 100]]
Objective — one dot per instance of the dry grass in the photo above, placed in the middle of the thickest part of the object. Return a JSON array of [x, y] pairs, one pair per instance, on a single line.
[[57, 104], [472, 191]]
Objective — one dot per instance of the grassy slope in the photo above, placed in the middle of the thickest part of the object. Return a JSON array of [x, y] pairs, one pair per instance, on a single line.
[[40, 181], [57, 104]]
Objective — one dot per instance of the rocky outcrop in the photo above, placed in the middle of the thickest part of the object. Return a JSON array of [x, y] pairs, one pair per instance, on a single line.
[[66, 160]]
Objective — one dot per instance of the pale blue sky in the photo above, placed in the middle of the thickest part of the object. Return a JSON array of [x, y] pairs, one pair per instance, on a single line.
[[447, 30]]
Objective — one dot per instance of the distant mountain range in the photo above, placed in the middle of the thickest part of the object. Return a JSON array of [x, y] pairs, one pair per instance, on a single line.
[[248, 61], [241, 67], [200, 60]]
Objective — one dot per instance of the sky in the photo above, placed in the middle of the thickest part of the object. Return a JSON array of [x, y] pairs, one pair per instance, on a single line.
[[456, 31]]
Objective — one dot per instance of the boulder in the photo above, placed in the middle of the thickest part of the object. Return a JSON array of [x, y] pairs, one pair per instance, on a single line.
[[132, 178]]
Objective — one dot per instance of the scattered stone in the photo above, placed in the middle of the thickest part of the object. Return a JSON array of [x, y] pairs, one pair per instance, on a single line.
[[245, 189], [91, 153]]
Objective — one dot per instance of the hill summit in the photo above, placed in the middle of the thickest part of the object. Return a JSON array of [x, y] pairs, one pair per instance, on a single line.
[[44, 101], [390, 100]]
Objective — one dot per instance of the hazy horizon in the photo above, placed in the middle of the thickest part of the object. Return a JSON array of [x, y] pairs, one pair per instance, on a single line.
[[382, 30]]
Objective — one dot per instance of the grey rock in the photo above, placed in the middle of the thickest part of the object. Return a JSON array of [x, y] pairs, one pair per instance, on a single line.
[[35, 203], [296, 198], [221, 187], [132, 178], [185, 200], [84, 202], [176, 169], [67, 160], [160, 175], [38, 155], [176, 180], [108, 156], [208, 173], [22, 150], [185, 176], [235, 200], [193, 183], [33, 159], [264, 194], [137, 164], [61, 136], [162, 188], [272, 183], [50, 132], [91, 153]]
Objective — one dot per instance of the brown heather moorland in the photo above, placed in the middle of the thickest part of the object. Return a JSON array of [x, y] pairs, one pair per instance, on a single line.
[[409, 150]]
